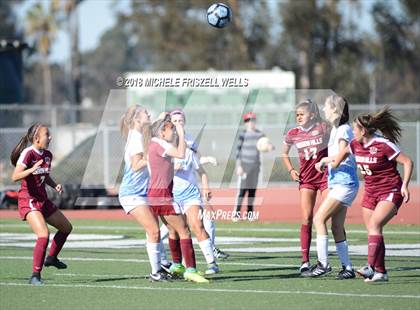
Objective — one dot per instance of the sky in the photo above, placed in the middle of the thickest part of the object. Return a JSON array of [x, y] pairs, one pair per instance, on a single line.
[[97, 16]]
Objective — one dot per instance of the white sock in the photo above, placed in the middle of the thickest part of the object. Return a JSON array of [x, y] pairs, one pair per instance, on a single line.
[[210, 228], [207, 250], [162, 251], [154, 256], [164, 232], [343, 252], [322, 249]]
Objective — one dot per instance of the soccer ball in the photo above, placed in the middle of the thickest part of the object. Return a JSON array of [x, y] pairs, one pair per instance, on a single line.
[[264, 145], [219, 15]]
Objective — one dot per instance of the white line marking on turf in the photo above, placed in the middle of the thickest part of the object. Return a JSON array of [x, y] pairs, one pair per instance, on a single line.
[[209, 290], [135, 228]]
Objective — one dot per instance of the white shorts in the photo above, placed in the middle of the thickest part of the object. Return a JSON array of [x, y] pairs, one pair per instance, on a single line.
[[345, 194], [185, 205], [131, 202]]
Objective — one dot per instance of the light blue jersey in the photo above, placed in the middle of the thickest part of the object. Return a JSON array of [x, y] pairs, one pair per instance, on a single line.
[[134, 183], [185, 181], [346, 172]]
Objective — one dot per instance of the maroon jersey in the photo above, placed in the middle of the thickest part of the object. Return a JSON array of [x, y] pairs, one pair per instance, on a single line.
[[376, 162], [312, 146], [33, 186], [161, 169]]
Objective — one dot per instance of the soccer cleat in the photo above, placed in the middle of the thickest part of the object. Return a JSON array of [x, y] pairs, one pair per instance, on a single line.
[[166, 267], [305, 267], [192, 275], [35, 279], [220, 254], [177, 270], [366, 272], [317, 271], [377, 277], [236, 219], [346, 274], [159, 276], [54, 261], [212, 268]]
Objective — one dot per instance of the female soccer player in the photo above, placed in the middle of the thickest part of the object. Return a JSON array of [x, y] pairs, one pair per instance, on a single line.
[[311, 140], [343, 185], [187, 193], [135, 128], [33, 166], [377, 157], [160, 155]]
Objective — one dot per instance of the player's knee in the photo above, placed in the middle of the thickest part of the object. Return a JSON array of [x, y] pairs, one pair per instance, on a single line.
[[67, 229], [153, 235]]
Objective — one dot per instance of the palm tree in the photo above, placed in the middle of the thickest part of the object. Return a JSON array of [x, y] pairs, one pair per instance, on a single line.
[[42, 25]]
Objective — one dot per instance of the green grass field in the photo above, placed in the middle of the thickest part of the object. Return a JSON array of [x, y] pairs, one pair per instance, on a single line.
[[261, 272]]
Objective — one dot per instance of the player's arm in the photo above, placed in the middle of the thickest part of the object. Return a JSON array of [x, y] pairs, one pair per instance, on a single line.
[[21, 172], [238, 164], [335, 161], [294, 174], [50, 182], [178, 152], [408, 170], [205, 189], [138, 162]]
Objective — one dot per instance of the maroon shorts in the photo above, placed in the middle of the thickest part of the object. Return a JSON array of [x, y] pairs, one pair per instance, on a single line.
[[321, 186], [26, 205], [162, 203], [371, 200]]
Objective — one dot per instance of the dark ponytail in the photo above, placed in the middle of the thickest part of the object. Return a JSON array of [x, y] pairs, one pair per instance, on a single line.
[[384, 121], [24, 141]]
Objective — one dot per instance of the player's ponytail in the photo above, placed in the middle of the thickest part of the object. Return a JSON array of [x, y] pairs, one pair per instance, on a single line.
[[127, 120], [24, 141], [342, 108], [384, 121]]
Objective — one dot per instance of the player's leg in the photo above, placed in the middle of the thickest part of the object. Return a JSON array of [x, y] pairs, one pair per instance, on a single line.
[[39, 227], [307, 203], [383, 213], [196, 224], [164, 233], [64, 228], [239, 199], [339, 234]]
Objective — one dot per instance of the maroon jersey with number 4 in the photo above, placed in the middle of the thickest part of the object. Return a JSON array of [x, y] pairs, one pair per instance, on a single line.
[[33, 186], [376, 161], [312, 145]]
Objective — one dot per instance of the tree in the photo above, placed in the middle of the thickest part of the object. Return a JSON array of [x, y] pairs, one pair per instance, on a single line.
[[41, 25]]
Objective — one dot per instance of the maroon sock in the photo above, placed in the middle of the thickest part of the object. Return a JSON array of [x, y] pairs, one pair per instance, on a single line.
[[188, 252], [39, 254], [374, 246], [380, 258], [175, 247], [57, 243], [305, 241]]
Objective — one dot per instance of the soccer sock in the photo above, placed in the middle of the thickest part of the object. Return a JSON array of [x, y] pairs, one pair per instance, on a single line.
[[162, 252], [210, 228], [175, 247], [305, 241], [251, 197], [39, 254], [343, 252], [57, 243], [154, 256], [322, 249], [188, 253], [380, 257], [374, 247], [164, 232], [207, 250]]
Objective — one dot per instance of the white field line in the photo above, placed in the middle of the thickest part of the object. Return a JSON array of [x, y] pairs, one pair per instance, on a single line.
[[135, 228], [134, 260], [213, 290]]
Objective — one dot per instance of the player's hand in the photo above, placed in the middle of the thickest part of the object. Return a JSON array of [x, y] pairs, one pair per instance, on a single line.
[[206, 193], [59, 188], [239, 171], [405, 193], [295, 175], [37, 165], [319, 166], [179, 130], [177, 166]]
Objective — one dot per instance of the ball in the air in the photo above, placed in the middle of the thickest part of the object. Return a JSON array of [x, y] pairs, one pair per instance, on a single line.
[[219, 15], [264, 145]]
